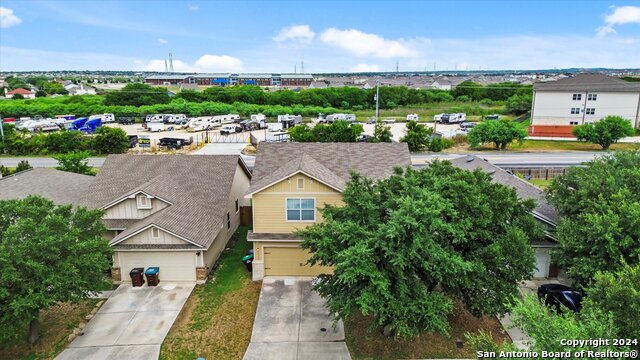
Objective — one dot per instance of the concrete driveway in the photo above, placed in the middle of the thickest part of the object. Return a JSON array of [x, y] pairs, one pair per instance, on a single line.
[[131, 324], [292, 322]]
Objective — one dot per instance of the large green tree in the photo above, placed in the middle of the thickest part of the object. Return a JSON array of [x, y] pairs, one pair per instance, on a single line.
[[600, 207], [618, 293], [75, 162], [108, 140], [339, 131], [403, 249], [382, 133], [500, 133], [605, 132], [48, 254], [416, 136]]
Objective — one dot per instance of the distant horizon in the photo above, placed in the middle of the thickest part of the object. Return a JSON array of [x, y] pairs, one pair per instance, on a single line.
[[317, 36]]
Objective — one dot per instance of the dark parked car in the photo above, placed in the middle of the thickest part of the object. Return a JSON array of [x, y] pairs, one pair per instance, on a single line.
[[555, 295]]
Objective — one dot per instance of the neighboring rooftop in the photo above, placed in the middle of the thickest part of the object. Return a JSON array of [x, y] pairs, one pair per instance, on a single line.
[[196, 186], [525, 189], [330, 163], [61, 187], [589, 82], [20, 91]]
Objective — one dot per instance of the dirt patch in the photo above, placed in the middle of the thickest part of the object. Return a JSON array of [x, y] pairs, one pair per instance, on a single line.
[[366, 344]]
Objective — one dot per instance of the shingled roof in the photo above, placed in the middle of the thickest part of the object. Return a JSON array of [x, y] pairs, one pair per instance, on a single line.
[[525, 190], [61, 187], [197, 186], [330, 163], [588, 82]]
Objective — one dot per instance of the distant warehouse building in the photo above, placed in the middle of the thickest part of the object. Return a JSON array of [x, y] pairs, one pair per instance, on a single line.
[[560, 105], [228, 79]]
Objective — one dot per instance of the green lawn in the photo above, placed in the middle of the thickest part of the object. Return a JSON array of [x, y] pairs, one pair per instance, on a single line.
[[56, 323], [560, 145], [427, 111], [541, 183], [217, 320]]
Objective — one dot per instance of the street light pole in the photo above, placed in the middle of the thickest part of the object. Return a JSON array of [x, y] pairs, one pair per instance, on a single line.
[[377, 101]]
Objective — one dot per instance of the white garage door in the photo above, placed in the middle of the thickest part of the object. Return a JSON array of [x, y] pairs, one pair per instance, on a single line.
[[174, 266], [543, 260]]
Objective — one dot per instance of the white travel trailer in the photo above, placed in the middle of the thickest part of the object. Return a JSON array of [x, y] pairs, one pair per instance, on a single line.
[[203, 123], [295, 119], [412, 117], [105, 118], [154, 118], [155, 126], [226, 119], [258, 117], [276, 133], [343, 117], [438, 117]]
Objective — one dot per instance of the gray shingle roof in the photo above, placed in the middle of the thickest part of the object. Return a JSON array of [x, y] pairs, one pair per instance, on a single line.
[[589, 82], [330, 163], [197, 186], [524, 189], [61, 187]]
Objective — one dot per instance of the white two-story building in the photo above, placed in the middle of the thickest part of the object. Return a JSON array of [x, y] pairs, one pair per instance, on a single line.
[[560, 105]]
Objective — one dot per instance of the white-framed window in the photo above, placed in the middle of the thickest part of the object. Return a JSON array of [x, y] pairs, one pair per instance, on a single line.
[[155, 233], [573, 123], [237, 206], [575, 111], [577, 96], [301, 209], [592, 97], [590, 111], [300, 184], [143, 201], [228, 221]]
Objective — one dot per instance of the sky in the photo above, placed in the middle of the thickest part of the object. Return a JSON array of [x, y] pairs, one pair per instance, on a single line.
[[329, 36]]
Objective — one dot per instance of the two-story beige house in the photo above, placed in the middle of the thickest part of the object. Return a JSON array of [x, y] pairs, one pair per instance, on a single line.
[[173, 212], [292, 181]]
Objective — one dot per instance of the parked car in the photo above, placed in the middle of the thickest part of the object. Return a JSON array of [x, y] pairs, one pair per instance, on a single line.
[[371, 121], [556, 296], [364, 138], [126, 120], [466, 126], [230, 129]]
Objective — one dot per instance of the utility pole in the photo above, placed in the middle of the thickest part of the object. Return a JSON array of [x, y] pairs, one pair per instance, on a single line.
[[377, 101]]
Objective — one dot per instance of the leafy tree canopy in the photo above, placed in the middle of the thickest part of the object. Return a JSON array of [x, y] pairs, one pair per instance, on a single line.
[[110, 140], [416, 136], [137, 95], [48, 254], [501, 133], [339, 131], [382, 133], [600, 204], [404, 248], [605, 132], [75, 162]]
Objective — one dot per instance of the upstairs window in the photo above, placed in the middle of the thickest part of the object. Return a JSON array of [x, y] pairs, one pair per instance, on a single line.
[[592, 97], [301, 209], [590, 111], [155, 233], [143, 201], [575, 111], [577, 96]]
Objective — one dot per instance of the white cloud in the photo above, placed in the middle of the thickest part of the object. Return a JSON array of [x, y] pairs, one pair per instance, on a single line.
[[8, 18], [206, 63], [366, 68], [295, 33], [192, 7], [363, 44], [162, 41], [620, 15]]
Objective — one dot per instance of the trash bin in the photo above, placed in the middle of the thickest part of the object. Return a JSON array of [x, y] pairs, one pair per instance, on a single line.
[[153, 275], [248, 262], [137, 278]]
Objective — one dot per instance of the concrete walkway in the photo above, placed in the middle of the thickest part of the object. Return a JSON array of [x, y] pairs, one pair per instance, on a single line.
[[131, 324], [292, 322]]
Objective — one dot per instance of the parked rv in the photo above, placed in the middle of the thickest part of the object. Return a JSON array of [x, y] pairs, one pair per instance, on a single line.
[[258, 117], [276, 133], [203, 123], [77, 124], [389, 121], [91, 126], [155, 126], [175, 118], [438, 117], [453, 118], [413, 117], [249, 125], [340, 117], [105, 118]]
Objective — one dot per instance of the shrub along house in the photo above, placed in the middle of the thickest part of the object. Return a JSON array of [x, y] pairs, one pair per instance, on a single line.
[[175, 212], [291, 181], [546, 214]]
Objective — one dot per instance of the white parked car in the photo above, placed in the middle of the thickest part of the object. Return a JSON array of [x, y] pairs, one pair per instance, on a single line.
[[230, 129], [411, 117]]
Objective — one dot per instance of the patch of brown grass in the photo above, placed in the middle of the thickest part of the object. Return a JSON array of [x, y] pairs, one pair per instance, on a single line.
[[56, 323], [227, 332], [365, 344]]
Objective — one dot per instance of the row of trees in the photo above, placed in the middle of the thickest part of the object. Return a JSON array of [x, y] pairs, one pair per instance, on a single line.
[[107, 140], [87, 105]]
